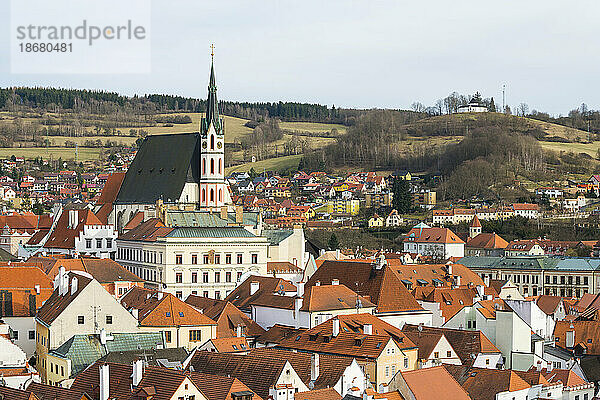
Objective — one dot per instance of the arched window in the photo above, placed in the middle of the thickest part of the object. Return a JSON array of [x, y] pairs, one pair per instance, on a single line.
[[203, 195], [212, 142], [220, 195], [204, 166], [212, 195], [212, 165], [220, 165]]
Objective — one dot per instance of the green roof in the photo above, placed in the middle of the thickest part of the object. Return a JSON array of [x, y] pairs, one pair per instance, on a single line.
[[275, 236], [162, 166], [533, 263], [205, 219], [231, 232], [84, 350]]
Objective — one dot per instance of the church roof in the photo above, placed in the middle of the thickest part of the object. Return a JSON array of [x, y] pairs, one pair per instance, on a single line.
[[160, 169]]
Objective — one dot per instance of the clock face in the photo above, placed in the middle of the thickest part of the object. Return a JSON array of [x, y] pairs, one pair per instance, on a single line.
[[204, 145], [219, 145]]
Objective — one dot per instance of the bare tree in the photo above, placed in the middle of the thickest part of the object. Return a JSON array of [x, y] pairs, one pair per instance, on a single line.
[[523, 109], [417, 107]]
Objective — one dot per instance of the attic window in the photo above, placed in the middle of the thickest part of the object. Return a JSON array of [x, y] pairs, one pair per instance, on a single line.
[[160, 171], [181, 313], [313, 337], [378, 345], [234, 346], [172, 170], [298, 338], [168, 314], [589, 340], [357, 342]]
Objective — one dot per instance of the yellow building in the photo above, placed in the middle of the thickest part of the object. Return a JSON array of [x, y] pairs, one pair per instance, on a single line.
[[351, 207], [376, 221]]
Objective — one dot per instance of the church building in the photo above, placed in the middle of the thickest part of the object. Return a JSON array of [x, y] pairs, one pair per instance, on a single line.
[[178, 228]]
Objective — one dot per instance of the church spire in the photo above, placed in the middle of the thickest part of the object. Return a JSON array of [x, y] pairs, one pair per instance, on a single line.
[[212, 104]]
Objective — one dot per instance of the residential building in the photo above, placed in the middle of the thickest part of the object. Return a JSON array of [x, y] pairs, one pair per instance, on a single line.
[[23, 290], [181, 324], [426, 384], [437, 243], [78, 305]]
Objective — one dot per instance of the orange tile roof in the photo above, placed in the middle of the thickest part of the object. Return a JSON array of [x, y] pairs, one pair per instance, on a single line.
[[487, 241], [56, 303], [63, 237], [147, 231], [433, 235], [429, 272], [483, 383], [20, 283], [165, 311], [450, 300], [230, 344], [319, 394], [434, 383], [332, 297], [111, 188]]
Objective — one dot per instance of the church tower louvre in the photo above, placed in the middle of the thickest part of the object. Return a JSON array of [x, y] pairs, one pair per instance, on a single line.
[[213, 190]]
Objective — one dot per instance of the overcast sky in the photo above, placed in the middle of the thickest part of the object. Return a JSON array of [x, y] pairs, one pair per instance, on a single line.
[[361, 54]]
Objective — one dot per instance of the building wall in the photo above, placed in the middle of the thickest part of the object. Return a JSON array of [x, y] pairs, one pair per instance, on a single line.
[[87, 242], [57, 370], [442, 353], [391, 360], [410, 317], [180, 335], [23, 325]]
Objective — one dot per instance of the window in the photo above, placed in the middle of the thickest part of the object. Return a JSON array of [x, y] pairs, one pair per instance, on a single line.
[[254, 258], [212, 168], [16, 335], [98, 243], [194, 258], [554, 280], [168, 336], [179, 259], [31, 335], [179, 294], [240, 258], [195, 336], [109, 320], [227, 258], [387, 371], [448, 354], [217, 295], [205, 277], [217, 259], [205, 293], [109, 242], [406, 363], [88, 243], [585, 282], [217, 277], [62, 370], [195, 292], [178, 277], [227, 277], [487, 361], [239, 276], [80, 320], [205, 258], [194, 277], [436, 354]]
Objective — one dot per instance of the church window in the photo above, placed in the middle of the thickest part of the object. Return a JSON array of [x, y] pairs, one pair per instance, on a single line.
[[212, 166], [220, 194], [212, 195], [212, 142], [220, 165], [204, 166], [203, 194]]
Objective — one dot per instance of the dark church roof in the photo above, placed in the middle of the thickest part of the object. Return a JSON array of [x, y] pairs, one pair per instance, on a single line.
[[162, 166]]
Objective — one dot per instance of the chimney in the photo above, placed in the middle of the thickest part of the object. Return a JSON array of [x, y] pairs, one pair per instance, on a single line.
[[383, 388], [104, 382], [318, 283], [135, 312], [224, 213], [335, 282], [138, 372], [457, 280], [64, 284], [486, 281], [570, 339], [480, 291], [368, 329], [549, 367], [336, 327], [238, 331], [159, 295], [297, 306], [239, 215], [254, 286], [449, 269], [38, 289], [538, 366], [300, 289], [314, 367], [72, 219], [74, 285]]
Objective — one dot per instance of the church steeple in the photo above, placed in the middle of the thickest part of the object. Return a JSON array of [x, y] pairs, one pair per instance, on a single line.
[[212, 104]]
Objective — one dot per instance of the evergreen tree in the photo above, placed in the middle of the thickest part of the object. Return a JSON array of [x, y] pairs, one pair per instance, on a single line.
[[333, 243], [301, 165], [402, 201], [492, 106]]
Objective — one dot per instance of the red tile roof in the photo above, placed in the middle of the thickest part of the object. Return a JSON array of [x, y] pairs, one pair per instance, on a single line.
[[63, 237], [22, 284], [434, 383]]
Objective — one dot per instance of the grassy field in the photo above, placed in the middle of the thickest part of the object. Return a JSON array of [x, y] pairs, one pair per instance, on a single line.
[[280, 164], [59, 141], [588, 148], [312, 127], [84, 154]]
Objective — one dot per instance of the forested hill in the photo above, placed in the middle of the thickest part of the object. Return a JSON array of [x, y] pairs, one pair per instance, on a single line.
[[102, 102]]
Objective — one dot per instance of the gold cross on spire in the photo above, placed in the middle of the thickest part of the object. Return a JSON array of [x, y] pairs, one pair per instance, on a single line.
[[212, 51]]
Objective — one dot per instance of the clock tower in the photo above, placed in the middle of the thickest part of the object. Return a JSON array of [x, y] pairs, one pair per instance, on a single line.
[[213, 190]]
